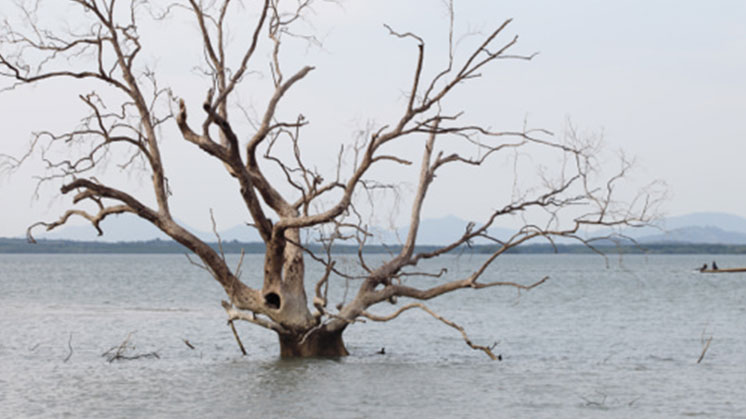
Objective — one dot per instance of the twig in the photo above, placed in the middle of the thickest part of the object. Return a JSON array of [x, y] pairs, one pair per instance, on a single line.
[[240, 263], [199, 265], [486, 349], [69, 346], [122, 348], [704, 349], [215, 231], [133, 357], [186, 342], [594, 403]]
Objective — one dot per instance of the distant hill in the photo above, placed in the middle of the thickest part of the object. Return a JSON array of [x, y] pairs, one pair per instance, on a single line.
[[130, 228], [701, 228], [117, 228], [439, 231], [127, 228], [720, 220], [21, 246], [697, 234]]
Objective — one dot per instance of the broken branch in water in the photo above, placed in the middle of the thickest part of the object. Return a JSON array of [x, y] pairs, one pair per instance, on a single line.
[[187, 343], [70, 347], [117, 353], [706, 343], [229, 309], [235, 333], [600, 401]]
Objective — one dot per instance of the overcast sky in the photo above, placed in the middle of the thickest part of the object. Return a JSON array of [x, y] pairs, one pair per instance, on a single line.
[[663, 80]]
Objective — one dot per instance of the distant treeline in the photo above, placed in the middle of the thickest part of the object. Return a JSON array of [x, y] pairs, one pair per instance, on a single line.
[[167, 246]]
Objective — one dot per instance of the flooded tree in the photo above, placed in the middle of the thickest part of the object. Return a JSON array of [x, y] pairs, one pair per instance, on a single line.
[[302, 213]]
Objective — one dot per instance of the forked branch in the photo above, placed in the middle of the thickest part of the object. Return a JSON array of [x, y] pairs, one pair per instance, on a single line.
[[486, 349]]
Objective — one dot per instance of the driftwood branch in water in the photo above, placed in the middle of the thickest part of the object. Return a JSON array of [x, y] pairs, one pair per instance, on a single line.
[[188, 344], [117, 353], [706, 343], [70, 347]]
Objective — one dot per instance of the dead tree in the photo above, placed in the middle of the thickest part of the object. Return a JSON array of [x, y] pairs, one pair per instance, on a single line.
[[130, 111]]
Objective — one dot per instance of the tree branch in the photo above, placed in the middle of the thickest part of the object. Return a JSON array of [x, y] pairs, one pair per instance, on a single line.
[[486, 349]]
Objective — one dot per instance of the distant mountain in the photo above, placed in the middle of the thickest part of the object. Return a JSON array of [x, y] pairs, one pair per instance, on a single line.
[[21, 246], [130, 228], [720, 220], [240, 232], [127, 227], [703, 228], [699, 228], [123, 227], [698, 235], [448, 229]]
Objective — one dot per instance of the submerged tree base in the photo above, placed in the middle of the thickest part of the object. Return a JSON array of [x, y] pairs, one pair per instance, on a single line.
[[320, 344]]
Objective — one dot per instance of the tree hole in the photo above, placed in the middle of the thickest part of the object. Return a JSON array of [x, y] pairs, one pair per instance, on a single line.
[[272, 300]]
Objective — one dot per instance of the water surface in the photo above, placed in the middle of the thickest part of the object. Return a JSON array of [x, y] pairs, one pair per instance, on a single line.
[[593, 341]]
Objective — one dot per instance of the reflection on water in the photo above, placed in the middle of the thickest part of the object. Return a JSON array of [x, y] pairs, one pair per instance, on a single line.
[[622, 342]]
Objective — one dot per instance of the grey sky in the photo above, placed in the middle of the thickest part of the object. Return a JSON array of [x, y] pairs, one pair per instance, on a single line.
[[664, 80]]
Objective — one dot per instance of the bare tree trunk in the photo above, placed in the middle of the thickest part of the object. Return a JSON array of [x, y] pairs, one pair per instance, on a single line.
[[283, 290]]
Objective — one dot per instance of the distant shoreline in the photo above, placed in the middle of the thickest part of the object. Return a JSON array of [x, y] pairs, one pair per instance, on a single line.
[[21, 246]]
